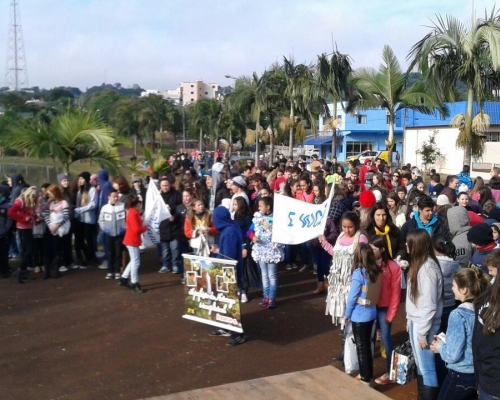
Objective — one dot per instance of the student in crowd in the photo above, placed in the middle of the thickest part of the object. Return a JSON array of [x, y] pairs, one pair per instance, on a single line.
[[458, 222], [199, 222], [5, 227], [424, 306], [481, 238]]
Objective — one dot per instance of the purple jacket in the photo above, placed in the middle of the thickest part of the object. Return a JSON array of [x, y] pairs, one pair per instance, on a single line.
[[330, 233]]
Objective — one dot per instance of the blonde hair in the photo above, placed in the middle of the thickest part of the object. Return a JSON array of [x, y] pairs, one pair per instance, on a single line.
[[28, 197]]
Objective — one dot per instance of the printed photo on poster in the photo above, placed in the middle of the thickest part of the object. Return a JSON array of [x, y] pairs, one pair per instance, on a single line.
[[196, 267], [229, 276], [191, 278], [221, 285]]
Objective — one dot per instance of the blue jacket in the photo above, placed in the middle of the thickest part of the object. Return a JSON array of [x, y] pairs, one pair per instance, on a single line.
[[457, 351], [465, 178], [358, 312], [105, 186]]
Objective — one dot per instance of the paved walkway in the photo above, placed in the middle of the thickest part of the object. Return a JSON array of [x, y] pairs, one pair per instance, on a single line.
[[319, 383]]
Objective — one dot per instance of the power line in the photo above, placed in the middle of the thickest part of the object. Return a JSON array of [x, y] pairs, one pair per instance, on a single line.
[[16, 71]]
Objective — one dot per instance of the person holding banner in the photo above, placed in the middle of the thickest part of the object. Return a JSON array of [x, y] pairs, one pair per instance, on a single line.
[[229, 246]]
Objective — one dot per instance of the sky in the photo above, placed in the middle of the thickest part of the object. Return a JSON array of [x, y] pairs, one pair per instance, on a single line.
[[160, 43]]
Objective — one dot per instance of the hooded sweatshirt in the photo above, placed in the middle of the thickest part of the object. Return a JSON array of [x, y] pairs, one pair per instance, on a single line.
[[105, 186], [16, 186], [230, 239], [458, 221], [449, 267]]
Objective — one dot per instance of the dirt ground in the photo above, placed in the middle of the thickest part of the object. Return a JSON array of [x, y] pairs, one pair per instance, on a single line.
[[83, 337]]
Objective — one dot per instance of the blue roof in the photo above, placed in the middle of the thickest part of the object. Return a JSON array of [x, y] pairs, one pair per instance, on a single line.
[[317, 141]]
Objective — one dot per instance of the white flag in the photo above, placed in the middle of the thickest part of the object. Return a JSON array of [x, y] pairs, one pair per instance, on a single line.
[[155, 212], [296, 221]]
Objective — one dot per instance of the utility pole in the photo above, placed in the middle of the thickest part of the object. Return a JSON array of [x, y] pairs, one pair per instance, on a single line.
[[16, 71]]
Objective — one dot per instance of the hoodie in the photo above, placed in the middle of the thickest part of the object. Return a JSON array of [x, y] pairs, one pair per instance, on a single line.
[[449, 267], [105, 186], [458, 221], [434, 227], [230, 240], [16, 186]]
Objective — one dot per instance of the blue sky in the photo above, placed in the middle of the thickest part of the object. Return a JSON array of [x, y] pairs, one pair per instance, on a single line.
[[159, 43]]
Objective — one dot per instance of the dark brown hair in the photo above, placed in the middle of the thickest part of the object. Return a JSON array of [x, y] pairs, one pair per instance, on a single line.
[[364, 257]]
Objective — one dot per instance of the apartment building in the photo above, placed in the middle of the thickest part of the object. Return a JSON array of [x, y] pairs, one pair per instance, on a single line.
[[191, 92]]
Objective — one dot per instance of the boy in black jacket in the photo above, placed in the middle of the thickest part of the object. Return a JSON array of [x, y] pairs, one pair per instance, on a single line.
[[5, 226]]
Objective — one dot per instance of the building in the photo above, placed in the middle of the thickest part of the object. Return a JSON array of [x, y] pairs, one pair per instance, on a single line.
[[362, 130], [187, 92], [191, 92], [420, 127]]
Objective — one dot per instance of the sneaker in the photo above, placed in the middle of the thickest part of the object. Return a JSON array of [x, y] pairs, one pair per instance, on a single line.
[[244, 298], [62, 268], [384, 380], [294, 266], [288, 267], [74, 266], [38, 269], [264, 302], [118, 276], [137, 288], [183, 281], [271, 304], [164, 270], [220, 332], [123, 282], [304, 268], [99, 254], [82, 266], [31, 269], [104, 265], [175, 271], [235, 341], [110, 276]]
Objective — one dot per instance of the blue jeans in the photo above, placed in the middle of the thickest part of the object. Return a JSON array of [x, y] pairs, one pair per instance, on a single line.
[[269, 279], [171, 253], [132, 269], [424, 358], [485, 396], [385, 335], [323, 261], [458, 386]]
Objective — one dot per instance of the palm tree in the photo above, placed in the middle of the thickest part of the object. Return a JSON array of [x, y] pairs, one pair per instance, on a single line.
[[333, 72], [386, 88], [299, 92], [153, 116], [71, 137], [453, 52], [125, 119], [205, 114]]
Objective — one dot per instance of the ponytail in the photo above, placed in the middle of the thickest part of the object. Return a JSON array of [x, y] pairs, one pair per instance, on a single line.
[[444, 246], [473, 279]]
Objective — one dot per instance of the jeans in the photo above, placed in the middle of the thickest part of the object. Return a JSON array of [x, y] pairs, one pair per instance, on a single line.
[[26, 236], [67, 249], [132, 269], [323, 261], [114, 247], [385, 335], [363, 338], [424, 358], [269, 279], [53, 244], [171, 253], [485, 396], [458, 386]]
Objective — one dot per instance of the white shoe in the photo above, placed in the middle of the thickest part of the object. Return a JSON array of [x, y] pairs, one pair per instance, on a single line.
[[244, 298], [62, 268], [74, 266], [104, 265], [31, 269], [118, 276], [37, 270], [99, 254], [110, 276], [288, 267], [82, 267]]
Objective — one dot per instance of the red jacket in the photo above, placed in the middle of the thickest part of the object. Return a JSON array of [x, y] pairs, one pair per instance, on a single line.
[[19, 213], [390, 293], [134, 228]]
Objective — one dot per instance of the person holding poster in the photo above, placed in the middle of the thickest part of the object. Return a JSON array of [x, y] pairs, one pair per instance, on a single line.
[[229, 246]]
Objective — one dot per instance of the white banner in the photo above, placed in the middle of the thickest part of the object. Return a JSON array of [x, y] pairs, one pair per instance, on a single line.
[[296, 221], [156, 211]]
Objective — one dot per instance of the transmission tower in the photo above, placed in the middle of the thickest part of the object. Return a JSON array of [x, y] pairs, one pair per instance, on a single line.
[[16, 72]]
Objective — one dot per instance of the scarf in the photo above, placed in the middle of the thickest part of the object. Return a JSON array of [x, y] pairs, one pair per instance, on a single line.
[[487, 248], [387, 237], [428, 226]]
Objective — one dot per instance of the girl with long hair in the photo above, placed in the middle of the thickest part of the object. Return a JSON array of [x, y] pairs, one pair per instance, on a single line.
[[478, 184], [199, 222], [380, 224], [23, 213], [424, 306], [388, 303], [456, 350], [57, 219], [360, 310], [319, 193], [85, 221], [292, 188], [397, 209]]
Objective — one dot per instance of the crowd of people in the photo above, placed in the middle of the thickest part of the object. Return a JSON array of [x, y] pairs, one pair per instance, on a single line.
[[387, 232]]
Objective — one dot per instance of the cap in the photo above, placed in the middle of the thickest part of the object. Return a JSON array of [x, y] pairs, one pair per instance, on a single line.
[[480, 235], [367, 199], [240, 182], [443, 200], [378, 195], [137, 179]]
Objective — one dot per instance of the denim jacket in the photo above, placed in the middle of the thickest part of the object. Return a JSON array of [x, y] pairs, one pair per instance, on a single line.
[[353, 310], [457, 351]]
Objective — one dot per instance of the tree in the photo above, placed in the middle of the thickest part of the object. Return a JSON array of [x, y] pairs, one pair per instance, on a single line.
[[205, 114], [333, 72], [299, 92], [68, 138], [429, 151], [453, 52], [154, 116], [387, 89]]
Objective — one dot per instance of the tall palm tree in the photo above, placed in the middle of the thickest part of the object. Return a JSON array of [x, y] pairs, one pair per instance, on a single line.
[[333, 72], [386, 88], [71, 137], [153, 116], [299, 92], [125, 119], [205, 114], [454, 52]]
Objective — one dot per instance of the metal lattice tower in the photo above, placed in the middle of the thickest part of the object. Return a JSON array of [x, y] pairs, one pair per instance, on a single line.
[[16, 71]]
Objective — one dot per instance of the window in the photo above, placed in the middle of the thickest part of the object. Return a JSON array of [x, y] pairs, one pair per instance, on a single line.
[[192, 92], [361, 119], [354, 148], [339, 117], [192, 85], [493, 137], [206, 93], [192, 99], [213, 87]]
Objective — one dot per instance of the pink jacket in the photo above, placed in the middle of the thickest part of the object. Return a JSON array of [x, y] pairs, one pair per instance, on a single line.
[[19, 213], [390, 293]]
